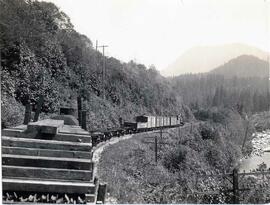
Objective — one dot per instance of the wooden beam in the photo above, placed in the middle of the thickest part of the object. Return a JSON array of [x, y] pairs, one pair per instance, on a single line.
[[27, 114], [102, 191], [59, 137], [48, 126], [45, 144], [84, 119], [10, 184], [46, 152], [73, 130], [72, 137], [46, 173], [13, 132], [49, 162], [20, 127]]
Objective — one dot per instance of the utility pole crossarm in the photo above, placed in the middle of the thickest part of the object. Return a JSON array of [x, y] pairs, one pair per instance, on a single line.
[[103, 46]]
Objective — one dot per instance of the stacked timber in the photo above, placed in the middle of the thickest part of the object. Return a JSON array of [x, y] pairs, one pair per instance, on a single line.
[[48, 161]]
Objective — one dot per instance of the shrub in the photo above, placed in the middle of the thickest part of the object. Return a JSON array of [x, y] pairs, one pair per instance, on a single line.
[[207, 132], [202, 115], [12, 112], [175, 157], [218, 116]]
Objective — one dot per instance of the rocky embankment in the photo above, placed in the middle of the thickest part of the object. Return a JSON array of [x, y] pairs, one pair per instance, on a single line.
[[261, 143]]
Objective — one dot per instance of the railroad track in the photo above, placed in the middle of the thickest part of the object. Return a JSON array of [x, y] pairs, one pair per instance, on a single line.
[[49, 162]]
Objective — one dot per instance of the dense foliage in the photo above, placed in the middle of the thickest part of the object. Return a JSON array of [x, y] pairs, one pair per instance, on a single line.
[[183, 154], [41, 54]]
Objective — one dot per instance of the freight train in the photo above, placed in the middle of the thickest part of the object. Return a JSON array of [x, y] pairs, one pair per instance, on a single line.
[[50, 161], [142, 123]]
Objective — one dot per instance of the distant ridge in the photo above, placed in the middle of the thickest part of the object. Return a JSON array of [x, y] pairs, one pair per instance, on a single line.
[[205, 58], [243, 66]]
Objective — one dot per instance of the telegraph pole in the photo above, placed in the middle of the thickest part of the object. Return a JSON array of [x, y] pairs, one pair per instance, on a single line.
[[160, 132], [103, 67], [156, 143], [156, 149]]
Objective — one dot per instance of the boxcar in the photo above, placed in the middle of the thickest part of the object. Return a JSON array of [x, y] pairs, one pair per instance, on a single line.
[[149, 120], [173, 121], [159, 121], [163, 121], [167, 121]]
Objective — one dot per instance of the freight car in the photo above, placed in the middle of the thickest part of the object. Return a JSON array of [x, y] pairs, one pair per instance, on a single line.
[[148, 123], [142, 123], [104, 135]]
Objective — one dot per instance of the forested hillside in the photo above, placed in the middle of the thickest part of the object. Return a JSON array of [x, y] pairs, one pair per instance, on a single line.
[[245, 66], [242, 84], [42, 55]]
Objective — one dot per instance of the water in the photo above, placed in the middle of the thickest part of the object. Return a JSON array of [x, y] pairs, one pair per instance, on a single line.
[[259, 155], [253, 162]]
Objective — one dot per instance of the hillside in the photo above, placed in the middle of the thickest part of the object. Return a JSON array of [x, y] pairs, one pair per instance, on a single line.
[[243, 66], [205, 58], [245, 95], [42, 56], [46, 64], [133, 177]]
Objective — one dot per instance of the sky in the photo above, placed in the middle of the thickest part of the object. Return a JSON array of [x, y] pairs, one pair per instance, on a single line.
[[158, 31]]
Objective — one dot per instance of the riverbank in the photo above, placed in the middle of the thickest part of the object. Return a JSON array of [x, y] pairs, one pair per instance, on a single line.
[[260, 153]]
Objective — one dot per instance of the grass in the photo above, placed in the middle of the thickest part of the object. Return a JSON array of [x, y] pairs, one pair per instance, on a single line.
[[131, 173]]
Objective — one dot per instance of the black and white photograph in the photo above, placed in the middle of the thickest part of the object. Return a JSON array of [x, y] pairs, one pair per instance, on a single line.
[[135, 101]]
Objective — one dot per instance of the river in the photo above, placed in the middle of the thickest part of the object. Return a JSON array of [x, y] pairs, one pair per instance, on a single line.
[[260, 153]]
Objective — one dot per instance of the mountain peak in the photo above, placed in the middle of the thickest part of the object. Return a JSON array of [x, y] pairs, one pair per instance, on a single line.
[[243, 66], [205, 58]]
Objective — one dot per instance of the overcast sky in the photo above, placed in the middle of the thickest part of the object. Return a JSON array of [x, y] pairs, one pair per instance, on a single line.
[[158, 31]]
